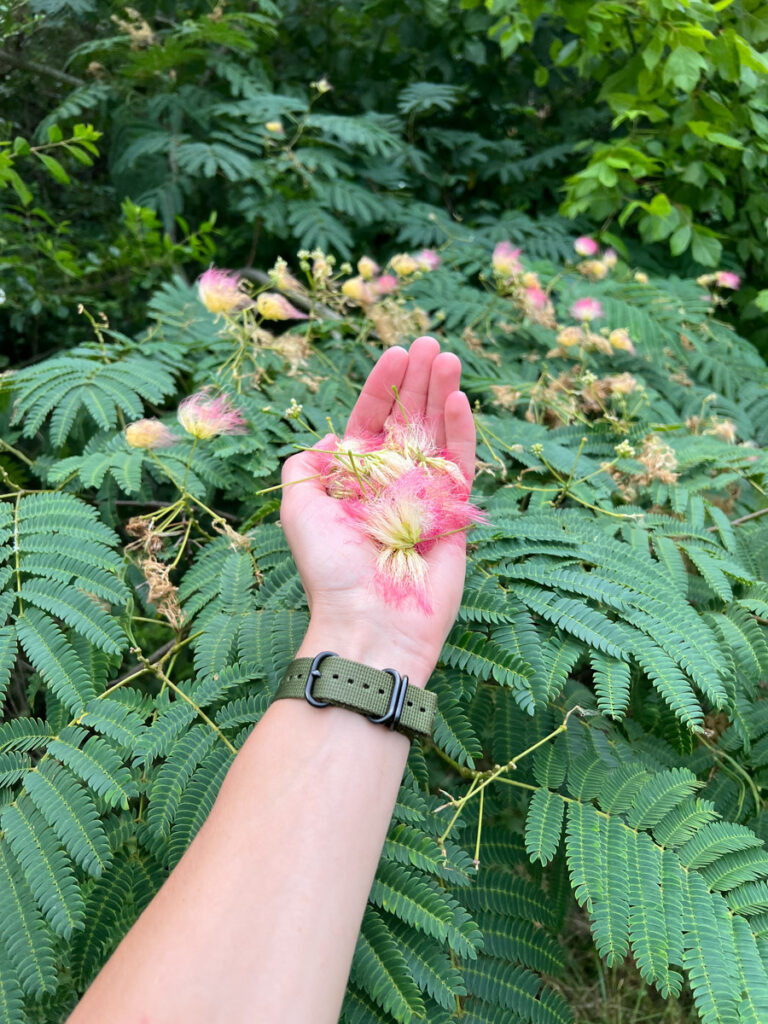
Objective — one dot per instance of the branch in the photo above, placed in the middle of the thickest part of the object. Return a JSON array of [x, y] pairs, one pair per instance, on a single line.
[[743, 519], [40, 69]]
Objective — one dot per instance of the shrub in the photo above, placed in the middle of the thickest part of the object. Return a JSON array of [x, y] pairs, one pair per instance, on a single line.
[[601, 727]]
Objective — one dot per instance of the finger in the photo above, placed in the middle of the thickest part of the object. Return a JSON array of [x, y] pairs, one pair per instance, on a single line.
[[413, 393], [444, 379], [376, 399], [301, 475], [460, 433]]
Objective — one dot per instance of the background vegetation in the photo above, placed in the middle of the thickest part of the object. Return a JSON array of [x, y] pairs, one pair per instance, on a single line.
[[624, 574]]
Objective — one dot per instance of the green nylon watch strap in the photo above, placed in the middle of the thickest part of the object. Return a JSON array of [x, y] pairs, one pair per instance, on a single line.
[[349, 684]]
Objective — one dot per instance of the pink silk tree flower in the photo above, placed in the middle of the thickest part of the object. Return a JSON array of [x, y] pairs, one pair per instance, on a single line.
[[282, 278], [610, 258], [428, 259], [586, 246], [506, 261], [586, 309], [386, 284], [149, 434], [367, 268], [359, 290], [726, 279], [346, 467], [203, 416], [273, 306], [620, 339], [403, 493], [536, 297], [220, 291], [404, 264]]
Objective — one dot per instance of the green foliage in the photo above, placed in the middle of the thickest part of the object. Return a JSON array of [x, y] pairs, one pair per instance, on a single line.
[[601, 740], [686, 88]]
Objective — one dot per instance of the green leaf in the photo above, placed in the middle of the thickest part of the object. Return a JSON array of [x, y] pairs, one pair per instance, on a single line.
[[543, 825]]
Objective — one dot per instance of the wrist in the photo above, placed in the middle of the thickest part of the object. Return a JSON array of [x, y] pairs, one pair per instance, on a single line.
[[369, 645]]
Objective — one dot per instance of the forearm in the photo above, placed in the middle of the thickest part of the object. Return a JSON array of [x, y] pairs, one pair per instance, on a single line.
[[258, 922]]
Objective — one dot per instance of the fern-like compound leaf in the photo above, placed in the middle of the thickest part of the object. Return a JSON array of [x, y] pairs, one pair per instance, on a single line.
[[46, 868], [380, 968], [543, 825], [27, 940], [71, 811]]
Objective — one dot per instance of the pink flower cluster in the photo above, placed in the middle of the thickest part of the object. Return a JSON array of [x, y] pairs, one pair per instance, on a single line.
[[202, 415], [721, 279], [402, 494], [369, 285], [594, 266], [221, 292], [523, 286]]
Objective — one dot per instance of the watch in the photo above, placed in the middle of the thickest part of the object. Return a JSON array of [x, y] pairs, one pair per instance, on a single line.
[[382, 695]]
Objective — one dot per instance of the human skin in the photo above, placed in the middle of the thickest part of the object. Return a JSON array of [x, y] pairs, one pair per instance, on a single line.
[[257, 924]]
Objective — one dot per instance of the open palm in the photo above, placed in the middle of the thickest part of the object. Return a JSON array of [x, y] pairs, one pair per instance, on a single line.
[[335, 563]]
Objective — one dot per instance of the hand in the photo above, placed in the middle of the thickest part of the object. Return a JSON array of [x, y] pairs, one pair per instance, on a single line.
[[336, 564]]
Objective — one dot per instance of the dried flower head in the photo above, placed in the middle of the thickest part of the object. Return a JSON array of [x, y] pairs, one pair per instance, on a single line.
[[204, 416], [149, 434], [273, 306], [221, 291], [659, 460], [724, 429], [570, 336]]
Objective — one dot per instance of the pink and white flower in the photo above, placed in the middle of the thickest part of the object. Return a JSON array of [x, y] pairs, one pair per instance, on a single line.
[[359, 290], [428, 259], [404, 264], [586, 246], [570, 336], [586, 309], [149, 434], [727, 279], [403, 494], [367, 268], [273, 306], [220, 291], [506, 260], [536, 297], [620, 339], [204, 416], [386, 284]]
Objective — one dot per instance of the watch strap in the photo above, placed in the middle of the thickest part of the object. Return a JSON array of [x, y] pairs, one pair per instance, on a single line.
[[382, 695]]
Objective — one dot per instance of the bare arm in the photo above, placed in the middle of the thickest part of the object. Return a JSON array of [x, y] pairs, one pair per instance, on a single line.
[[258, 921]]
